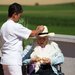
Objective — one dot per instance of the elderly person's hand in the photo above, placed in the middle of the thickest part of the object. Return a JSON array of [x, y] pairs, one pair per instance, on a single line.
[[36, 59], [46, 60]]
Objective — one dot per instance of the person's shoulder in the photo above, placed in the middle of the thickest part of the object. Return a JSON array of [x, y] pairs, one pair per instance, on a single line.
[[20, 26], [4, 25], [5, 22], [9, 23], [54, 43], [36, 47]]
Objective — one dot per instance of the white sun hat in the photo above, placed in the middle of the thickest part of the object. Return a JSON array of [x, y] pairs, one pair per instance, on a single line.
[[46, 33]]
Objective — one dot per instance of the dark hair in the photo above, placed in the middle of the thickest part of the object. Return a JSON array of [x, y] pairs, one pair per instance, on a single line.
[[14, 8]]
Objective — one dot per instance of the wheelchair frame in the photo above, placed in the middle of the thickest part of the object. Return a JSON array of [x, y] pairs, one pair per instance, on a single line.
[[58, 67]]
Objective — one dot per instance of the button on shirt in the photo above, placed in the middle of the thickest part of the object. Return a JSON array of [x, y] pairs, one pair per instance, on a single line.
[[11, 36]]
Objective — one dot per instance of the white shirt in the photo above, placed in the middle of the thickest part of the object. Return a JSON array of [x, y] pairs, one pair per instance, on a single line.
[[48, 51], [11, 36]]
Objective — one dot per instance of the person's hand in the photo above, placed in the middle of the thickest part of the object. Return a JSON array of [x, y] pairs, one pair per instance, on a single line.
[[40, 28], [46, 60], [36, 59]]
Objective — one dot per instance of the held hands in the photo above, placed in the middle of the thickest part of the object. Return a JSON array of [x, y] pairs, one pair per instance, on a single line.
[[41, 60], [36, 59], [46, 60]]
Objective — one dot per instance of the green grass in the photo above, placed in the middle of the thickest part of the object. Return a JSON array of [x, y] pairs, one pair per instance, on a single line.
[[59, 18], [66, 6], [3, 18], [58, 29]]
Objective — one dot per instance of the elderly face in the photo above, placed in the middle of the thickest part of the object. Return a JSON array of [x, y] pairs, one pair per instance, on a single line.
[[42, 41]]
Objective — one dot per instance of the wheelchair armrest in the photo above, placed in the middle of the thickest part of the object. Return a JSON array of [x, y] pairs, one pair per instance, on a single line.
[[24, 69], [0, 60], [59, 68]]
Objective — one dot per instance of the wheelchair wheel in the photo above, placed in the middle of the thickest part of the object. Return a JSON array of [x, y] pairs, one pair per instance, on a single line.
[[61, 74]]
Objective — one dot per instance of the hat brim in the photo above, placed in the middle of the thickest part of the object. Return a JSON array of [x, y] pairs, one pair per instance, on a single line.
[[43, 35], [49, 34]]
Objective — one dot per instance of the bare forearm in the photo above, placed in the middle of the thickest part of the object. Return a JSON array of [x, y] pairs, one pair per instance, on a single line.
[[34, 33], [38, 30]]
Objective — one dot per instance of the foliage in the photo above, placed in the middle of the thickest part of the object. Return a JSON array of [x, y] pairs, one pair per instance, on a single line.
[[59, 18]]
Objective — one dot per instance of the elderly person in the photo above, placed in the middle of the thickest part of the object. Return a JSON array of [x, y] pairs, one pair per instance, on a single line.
[[45, 55]]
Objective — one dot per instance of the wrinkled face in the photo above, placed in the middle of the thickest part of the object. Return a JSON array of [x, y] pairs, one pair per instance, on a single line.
[[42, 41]]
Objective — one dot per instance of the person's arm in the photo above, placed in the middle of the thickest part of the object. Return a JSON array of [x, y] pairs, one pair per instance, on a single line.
[[31, 60], [24, 32], [34, 56], [38, 30], [55, 59], [35, 59], [58, 56]]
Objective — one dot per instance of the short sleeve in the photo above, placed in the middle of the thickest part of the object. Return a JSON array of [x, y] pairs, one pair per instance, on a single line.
[[22, 31]]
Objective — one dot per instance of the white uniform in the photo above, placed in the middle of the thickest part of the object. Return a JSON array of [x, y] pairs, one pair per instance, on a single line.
[[11, 36]]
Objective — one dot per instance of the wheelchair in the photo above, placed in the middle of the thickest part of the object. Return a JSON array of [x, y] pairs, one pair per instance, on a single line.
[[58, 67], [1, 69], [25, 67], [25, 72]]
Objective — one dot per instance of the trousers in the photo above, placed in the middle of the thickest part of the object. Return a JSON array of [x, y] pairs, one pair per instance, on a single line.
[[44, 70], [12, 70]]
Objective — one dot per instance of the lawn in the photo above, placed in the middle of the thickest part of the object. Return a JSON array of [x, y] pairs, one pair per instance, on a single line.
[[59, 18]]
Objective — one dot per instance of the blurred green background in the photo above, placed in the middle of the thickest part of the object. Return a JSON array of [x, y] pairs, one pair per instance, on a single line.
[[59, 18]]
